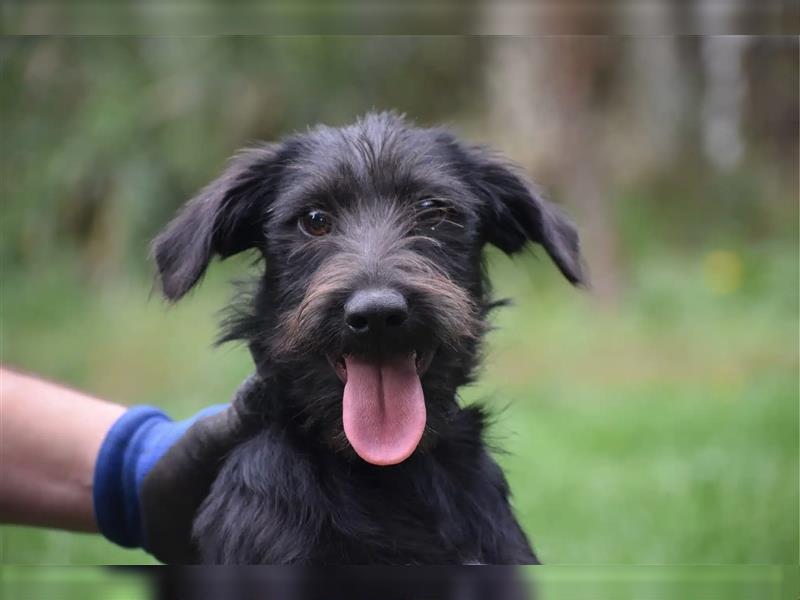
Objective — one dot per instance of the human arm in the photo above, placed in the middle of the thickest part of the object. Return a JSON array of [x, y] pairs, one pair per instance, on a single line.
[[71, 461], [50, 436]]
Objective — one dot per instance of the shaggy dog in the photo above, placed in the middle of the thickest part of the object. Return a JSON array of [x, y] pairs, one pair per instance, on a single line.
[[367, 318]]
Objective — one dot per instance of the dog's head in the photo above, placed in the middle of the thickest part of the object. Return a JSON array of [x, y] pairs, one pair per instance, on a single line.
[[373, 298]]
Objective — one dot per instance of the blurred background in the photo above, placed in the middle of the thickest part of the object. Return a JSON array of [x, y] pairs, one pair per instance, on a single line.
[[650, 420]]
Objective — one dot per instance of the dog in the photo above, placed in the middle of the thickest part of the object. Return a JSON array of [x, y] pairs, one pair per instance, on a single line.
[[366, 319]]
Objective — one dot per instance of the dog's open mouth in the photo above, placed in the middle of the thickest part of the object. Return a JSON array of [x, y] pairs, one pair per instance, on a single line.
[[422, 360], [383, 408]]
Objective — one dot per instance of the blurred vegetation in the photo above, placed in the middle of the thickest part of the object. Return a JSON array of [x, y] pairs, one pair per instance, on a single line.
[[658, 427]]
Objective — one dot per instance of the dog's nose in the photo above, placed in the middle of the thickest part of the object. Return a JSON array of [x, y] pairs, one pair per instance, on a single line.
[[375, 311]]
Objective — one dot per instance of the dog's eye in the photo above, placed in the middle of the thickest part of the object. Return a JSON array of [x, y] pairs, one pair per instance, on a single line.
[[315, 223], [432, 212]]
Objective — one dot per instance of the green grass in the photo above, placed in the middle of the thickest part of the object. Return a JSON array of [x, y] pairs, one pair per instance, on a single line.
[[662, 432]]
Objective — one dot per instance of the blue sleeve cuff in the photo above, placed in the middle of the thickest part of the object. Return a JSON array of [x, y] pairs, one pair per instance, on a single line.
[[131, 448], [115, 490]]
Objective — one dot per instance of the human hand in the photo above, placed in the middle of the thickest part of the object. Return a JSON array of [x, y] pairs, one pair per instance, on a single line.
[[153, 473]]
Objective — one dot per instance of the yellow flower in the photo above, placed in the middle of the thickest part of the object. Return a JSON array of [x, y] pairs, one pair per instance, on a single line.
[[722, 270]]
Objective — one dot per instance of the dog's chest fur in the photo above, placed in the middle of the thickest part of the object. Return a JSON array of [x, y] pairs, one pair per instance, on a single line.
[[276, 502]]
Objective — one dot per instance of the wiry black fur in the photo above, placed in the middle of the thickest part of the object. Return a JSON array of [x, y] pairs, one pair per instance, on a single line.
[[296, 492]]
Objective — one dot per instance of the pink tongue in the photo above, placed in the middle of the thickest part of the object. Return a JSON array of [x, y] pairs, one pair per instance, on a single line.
[[383, 409]]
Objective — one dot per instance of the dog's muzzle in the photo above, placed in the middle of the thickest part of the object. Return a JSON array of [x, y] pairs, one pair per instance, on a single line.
[[383, 407]]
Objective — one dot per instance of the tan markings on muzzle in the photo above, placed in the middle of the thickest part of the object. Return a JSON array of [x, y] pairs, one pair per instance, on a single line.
[[301, 325], [436, 296]]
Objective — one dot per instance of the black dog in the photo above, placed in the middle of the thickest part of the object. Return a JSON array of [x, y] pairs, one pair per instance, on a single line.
[[367, 318]]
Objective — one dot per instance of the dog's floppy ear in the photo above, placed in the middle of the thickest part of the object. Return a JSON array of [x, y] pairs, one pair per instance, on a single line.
[[225, 218], [515, 213]]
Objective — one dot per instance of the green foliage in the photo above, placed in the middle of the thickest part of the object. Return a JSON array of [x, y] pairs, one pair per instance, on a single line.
[[104, 138]]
